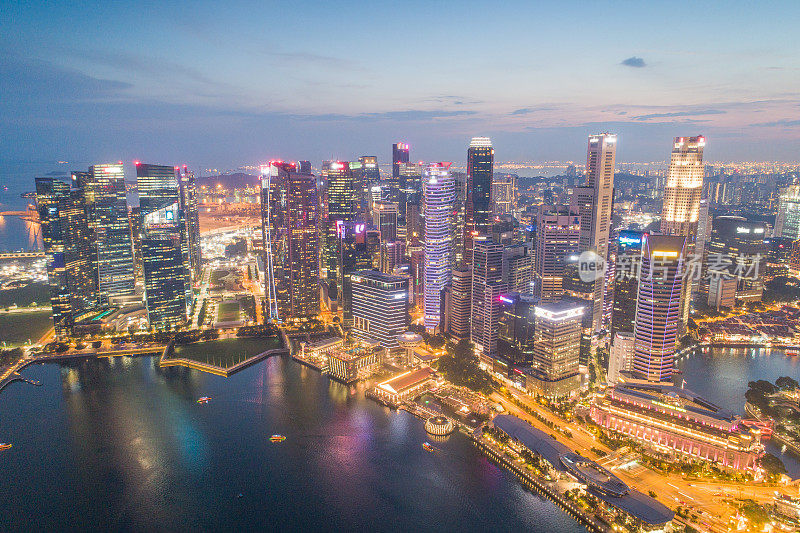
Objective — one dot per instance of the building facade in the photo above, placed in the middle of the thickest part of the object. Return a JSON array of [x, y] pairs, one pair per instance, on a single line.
[[380, 307], [478, 201], [487, 286], [438, 200]]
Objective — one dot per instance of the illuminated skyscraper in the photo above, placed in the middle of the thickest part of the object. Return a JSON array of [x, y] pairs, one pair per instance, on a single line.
[[478, 205], [504, 194], [735, 241], [65, 236], [787, 221], [384, 218], [594, 202], [353, 254], [460, 302], [380, 306], [165, 257], [487, 286], [103, 191], [557, 236], [400, 152], [342, 202], [556, 348], [683, 187], [438, 203], [191, 212], [658, 306], [626, 286]]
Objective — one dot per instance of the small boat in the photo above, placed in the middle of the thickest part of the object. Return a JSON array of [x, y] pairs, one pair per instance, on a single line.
[[4, 446], [793, 353], [428, 447], [277, 438], [204, 399]]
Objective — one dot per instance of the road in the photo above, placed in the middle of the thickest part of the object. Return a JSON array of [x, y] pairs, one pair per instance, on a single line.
[[703, 497]]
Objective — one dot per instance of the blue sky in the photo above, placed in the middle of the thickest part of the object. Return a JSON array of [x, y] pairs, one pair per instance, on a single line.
[[223, 83]]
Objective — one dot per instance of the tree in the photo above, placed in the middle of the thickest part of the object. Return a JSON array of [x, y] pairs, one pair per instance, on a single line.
[[460, 366], [772, 465], [786, 383]]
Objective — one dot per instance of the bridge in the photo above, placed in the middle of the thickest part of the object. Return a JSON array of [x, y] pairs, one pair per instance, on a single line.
[[21, 255]]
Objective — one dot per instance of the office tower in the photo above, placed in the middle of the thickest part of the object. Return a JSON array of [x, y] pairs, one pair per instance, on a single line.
[[370, 171], [384, 218], [736, 255], [416, 253], [478, 203], [487, 286], [594, 203], [683, 188], [353, 255], [399, 157], [304, 167], [415, 223], [459, 214], [341, 194], [380, 307], [681, 210], [439, 195], [658, 306], [628, 266], [787, 221], [460, 303], [621, 354], [191, 213], [391, 256], [167, 270], [556, 348], [557, 236], [518, 268], [103, 191], [504, 194], [135, 217], [580, 292], [289, 219], [516, 333], [65, 236]]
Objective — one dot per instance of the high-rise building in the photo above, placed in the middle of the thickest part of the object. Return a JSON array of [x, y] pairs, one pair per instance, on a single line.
[[439, 195], [400, 152], [342, 199], [304, 167], [556, 348], [67, 246], [626, 286], [106, 203], [557, 236], [787, 221], [516, 334], [736, 255], [460, 303], [391, 255], [380, 307], [658, 306], [518, 268], [289, 219], [487, 286], [504, 194], [191, 212], [621, 354], [384, 218], [680, 214], [683, 187], [594, 202], [165, 252], [353, 255], [478, 205]]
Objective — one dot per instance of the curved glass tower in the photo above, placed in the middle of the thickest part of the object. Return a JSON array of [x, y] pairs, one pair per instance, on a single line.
[[439, 194]]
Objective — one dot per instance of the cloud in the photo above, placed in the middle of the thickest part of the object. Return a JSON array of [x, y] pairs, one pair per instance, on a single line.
[[633, 61], [699, 112], [28, 80], [529, 110], [777, 123], [410, 115]]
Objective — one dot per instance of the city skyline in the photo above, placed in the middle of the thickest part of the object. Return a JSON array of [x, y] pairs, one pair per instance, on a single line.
[[206, 83]]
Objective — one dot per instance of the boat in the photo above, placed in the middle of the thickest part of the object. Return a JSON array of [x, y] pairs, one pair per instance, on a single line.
[[4, 446], [428, 447], [277, 438], [793, 352], [204, 399]]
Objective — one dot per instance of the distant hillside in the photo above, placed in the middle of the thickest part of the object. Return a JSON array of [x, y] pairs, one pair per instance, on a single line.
[[228, 181]]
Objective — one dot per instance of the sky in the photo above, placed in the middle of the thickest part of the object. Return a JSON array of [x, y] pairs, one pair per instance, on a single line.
[[219, 84]]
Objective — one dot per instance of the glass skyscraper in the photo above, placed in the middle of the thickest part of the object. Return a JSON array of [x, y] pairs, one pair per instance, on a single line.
[[439, 195], [478, 210]]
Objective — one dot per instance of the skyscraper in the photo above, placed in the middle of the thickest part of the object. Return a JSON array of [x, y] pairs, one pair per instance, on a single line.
[[164, 241], [478, 207], [735, 243], [556, 348], [626, 286], [504, 194], [380, 307], [681, 211], [191, 212], [103, 191], [787, 221], [384, 218], [557, 236], [683, 187], [342, 200], [66, 245], [353, 255], [487, 286], [658, 306], [595, 201], [460, 302], [516, 334], [289, 222], [439, 195], [400, 152]]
